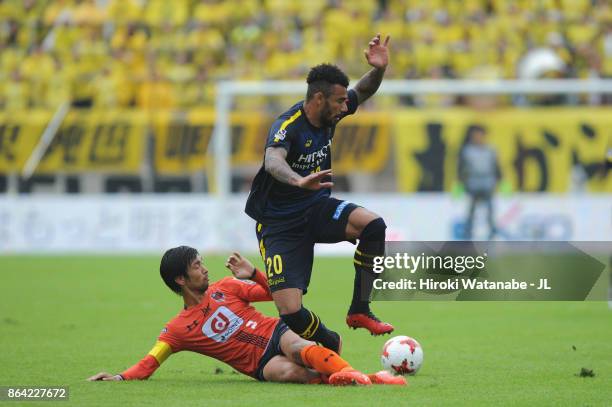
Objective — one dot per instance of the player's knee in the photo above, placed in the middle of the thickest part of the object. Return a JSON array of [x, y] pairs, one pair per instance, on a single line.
[[289, 308], [374, 231], [287, 301]]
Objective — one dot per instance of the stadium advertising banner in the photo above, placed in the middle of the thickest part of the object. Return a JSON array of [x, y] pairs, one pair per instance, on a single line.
[[362, 143], [147, 223], [19, 134], [108, 141], [182, 140], [538, 149], [544, 150]]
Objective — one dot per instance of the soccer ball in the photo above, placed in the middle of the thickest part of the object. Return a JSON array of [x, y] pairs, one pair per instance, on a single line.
[[402, 355]]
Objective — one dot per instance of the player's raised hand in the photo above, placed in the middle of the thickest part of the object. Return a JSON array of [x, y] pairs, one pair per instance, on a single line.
[[240, 267], [314, 181], [377, 54], [103, 376]]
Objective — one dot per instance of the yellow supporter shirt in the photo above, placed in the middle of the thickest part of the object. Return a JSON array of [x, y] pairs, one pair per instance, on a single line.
[[574, 9], [213, 13], [16, 94], [105, 90], [123, 11], [311, 11], [58, 88], [89, 13], [37, 69], [581, 33], [158, 12], [156, 94], [55, 8]]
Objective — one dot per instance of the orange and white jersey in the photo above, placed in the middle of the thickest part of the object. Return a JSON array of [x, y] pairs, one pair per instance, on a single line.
[[224, 326]]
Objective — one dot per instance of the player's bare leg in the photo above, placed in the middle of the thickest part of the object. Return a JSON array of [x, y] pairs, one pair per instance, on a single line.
[[288, 300], [369, 228], [332, 368], [303, 322], [282, 369]]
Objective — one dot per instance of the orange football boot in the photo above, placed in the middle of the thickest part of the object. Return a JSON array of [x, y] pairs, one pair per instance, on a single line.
[[384, 377], [349, 377]]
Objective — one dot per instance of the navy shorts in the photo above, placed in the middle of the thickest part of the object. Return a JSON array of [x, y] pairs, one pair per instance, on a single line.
[[273, 349], [288, 254]]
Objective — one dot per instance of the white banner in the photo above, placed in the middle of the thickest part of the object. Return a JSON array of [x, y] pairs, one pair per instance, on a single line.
[[153, 223]]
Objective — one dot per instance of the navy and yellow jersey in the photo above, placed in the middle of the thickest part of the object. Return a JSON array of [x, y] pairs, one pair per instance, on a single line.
[[308, 150]]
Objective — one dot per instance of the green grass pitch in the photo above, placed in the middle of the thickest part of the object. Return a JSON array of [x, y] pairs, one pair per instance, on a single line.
[[64, 318]]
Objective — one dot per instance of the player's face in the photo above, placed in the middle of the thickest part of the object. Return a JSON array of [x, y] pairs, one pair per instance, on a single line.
[[197, 276], [335, 105]]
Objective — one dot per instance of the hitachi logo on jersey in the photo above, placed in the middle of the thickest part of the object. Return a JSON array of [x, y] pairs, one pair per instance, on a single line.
[[316, 156]]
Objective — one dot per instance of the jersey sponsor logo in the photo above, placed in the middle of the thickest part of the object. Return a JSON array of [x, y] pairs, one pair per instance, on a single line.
[[280, 135], [317, 155], [221, 325], [339, 209], [218, 296], [275, 281]]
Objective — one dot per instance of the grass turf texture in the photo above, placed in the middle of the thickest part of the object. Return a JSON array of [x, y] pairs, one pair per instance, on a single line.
[[63, 319]]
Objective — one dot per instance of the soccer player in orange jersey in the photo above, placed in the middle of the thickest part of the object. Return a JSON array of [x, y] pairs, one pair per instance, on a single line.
[[219, 321]]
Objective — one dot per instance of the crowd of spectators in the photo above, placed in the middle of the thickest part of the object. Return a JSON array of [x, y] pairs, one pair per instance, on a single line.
[[170, 53]]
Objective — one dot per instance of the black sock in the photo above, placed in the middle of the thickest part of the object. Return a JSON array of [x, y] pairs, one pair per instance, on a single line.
[[371, 244], [308, 325]]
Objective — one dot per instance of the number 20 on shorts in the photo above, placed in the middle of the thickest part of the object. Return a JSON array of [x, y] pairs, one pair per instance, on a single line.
[[274, 265]]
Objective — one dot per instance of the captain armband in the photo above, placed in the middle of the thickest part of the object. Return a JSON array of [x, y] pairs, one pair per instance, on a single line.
[[161, 351]]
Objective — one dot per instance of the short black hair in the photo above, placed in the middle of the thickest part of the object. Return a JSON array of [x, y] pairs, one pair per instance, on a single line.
[[174, 263], [322, 77]]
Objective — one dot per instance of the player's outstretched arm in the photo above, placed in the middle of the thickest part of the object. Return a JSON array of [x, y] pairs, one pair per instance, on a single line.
[[141, 370], [377, 56], [275, 163]]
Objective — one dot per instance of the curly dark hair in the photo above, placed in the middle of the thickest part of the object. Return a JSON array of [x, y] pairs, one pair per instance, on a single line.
[[175, 263], [322, 77]]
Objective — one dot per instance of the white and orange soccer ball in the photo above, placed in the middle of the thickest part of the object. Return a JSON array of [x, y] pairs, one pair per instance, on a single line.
[[402, 355]]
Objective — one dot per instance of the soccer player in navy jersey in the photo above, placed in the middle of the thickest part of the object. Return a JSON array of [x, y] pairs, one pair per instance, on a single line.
[[290, 200]]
